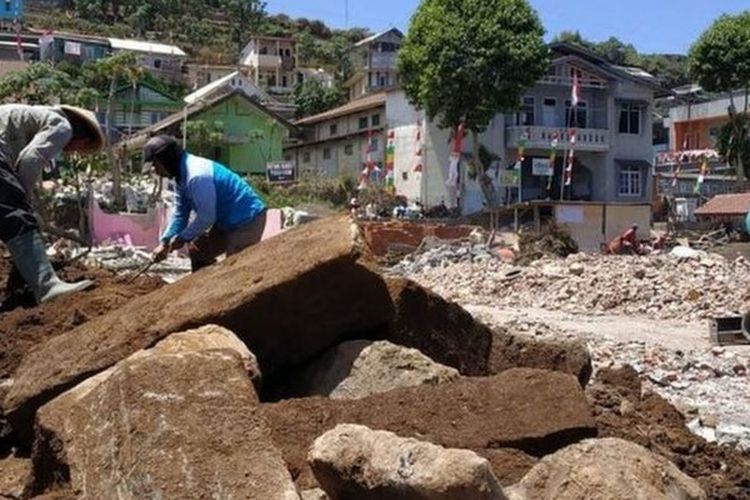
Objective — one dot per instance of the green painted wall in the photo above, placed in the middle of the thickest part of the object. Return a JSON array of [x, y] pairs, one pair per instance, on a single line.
[[241, 120]]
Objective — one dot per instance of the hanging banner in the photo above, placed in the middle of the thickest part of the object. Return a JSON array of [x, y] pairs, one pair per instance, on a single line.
[[510, 178], [541, 167]]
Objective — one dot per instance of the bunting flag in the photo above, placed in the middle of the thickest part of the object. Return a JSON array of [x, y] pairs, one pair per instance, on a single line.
[[368, 163], [702, 177], [418, 164], [571, 159], [522, 142], [390, 161], [575, 96], [19, 42], [552, 160]]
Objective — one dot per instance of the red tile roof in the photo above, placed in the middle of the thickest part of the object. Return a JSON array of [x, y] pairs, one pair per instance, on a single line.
[[726, 204]]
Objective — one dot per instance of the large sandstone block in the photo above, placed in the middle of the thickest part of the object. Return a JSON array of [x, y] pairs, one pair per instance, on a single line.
[[353, 461], [442, 330], [181, 424], [600, 469], [521, 351], [360, 368], [211, 338], [535, 411], [288, 298]]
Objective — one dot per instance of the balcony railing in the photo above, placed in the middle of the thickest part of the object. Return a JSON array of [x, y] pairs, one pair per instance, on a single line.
[[263, 61], [587, 139]]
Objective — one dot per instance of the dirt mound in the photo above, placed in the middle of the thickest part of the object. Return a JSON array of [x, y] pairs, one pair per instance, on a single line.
[[23, 328], [534, 411], [552, 240], [654, 423]]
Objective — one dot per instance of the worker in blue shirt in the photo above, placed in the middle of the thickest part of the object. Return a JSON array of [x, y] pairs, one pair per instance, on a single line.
[[227, 215]]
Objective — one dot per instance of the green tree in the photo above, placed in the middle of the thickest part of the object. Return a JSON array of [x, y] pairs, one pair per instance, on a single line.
[[41, 83], [313, 97], [720, 61], [204, 137], [119, 67], [466, 61], [245, 18]]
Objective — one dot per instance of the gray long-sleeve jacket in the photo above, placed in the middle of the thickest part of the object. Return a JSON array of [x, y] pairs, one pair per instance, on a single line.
[[30, 138]]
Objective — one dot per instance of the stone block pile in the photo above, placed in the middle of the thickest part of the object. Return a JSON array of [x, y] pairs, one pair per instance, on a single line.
[[297, 369]]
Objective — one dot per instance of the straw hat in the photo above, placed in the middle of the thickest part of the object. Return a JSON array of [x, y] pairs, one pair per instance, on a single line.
[[83, 119]]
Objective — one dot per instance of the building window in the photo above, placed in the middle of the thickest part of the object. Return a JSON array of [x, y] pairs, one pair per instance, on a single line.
[[576, 118], [525, 117], [375, 120], [630, 119], [363, 123], [630, 181], [300, 78], [326, 153], [374, 143], [349, 150], [284, 81], [306, 157], [287, 157], [157, 63], [333, 130]]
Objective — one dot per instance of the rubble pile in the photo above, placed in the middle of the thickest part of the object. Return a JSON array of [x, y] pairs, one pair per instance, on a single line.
[[552, 240], [708, 385], [443, 255], [139, 192], [298, 369], [665, 286]]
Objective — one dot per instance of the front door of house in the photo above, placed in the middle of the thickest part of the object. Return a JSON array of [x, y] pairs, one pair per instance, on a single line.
[[549, 110]]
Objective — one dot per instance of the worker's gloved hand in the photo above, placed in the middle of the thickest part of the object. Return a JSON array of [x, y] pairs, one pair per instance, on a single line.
[[160, 253]]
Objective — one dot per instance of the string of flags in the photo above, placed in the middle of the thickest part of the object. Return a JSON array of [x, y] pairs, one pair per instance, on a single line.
[[702, 177], [418, 163], [571, 159], [552, 160], [370, 165], [390, 161]]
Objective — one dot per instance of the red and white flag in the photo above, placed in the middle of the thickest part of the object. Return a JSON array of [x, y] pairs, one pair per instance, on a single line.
[[19, 42], [575, 97]]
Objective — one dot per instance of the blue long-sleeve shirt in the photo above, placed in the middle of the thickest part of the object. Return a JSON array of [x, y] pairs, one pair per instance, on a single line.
[[218, 196]]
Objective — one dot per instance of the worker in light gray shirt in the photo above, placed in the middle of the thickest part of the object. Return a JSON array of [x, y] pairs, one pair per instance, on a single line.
[[30, 138]]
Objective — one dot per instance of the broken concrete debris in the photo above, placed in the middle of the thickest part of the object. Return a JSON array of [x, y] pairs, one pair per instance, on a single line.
[[163, 394], [663, 285]]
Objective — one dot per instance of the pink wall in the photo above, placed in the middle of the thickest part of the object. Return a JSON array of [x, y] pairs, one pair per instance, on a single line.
[[143, 230]]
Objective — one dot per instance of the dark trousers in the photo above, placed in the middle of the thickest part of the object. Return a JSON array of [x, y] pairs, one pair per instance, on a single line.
[[206, 248], [16, 214]]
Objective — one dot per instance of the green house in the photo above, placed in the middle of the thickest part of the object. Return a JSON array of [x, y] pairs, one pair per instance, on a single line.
[[230, 127], [139, 106]]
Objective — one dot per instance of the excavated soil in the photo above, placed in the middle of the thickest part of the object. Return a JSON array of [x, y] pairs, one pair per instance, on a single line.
[[24, 327], [651, 421]]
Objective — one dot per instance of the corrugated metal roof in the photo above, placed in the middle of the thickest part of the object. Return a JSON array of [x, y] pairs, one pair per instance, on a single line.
[[361, 104], [148, 47], [726, 204], [374, 37]]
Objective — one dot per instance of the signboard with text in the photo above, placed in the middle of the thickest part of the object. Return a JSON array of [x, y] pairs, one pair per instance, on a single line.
[[280, 172], [541, 167]]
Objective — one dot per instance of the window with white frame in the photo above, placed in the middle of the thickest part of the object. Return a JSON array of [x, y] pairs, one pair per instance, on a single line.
[[630, 119], [577, 118], [525, 117], [630, 181]]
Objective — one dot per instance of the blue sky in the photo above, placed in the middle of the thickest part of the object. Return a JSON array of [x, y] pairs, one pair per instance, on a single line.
[[651, 25]]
